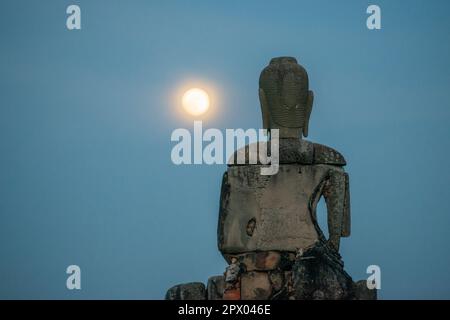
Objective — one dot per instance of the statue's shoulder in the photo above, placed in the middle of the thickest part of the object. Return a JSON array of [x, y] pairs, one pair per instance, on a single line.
[[293, 151], [326, 155]]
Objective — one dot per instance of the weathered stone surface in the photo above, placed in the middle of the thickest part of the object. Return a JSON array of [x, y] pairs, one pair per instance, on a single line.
[[276, 279], [362, 292], [319, 275], [187, 291], [335, 192], [255, 286], [264, 260], [282, 208], [327, 155], [233, 293], [291, 151], [215, 288], [260, 261]]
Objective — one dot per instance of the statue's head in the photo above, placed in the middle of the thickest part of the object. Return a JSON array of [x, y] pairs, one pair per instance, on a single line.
[[286, 101]]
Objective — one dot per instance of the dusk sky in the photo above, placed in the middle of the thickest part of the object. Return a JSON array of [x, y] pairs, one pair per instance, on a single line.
[[86, 117]]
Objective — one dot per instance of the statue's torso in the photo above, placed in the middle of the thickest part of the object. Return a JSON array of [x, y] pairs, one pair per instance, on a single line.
[[274, 213]]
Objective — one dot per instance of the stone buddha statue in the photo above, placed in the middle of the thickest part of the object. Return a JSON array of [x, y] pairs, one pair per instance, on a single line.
[[276, 215], [268, 230]]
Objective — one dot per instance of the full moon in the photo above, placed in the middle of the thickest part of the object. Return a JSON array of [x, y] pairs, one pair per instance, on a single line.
[[195, 101]]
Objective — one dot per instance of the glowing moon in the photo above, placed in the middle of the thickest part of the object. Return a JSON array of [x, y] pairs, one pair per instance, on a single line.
[[195, 101]]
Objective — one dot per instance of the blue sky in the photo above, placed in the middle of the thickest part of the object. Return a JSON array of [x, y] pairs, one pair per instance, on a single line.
[[86, 117]]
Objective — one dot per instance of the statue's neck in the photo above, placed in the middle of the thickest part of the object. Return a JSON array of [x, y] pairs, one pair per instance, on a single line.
[[289, 133]]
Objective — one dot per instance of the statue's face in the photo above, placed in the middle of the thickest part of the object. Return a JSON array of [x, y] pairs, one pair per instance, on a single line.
[[285, 86]]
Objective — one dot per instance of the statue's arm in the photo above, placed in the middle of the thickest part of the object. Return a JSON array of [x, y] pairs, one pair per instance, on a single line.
[[337, 197], [346, 226]]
